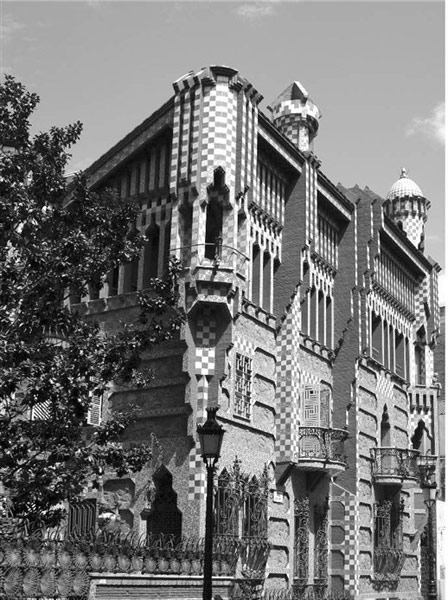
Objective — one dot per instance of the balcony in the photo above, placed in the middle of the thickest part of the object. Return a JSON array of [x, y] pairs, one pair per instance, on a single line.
[[321, 449], [393, 465]]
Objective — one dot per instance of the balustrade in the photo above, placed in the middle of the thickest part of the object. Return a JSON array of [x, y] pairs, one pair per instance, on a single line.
[[395, 463], [321, 443]]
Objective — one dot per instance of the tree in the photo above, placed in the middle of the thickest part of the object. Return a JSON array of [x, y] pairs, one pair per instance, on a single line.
[[56, 241]]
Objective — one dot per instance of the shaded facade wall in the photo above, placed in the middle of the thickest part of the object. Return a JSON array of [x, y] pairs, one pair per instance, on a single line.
[[278, 271]]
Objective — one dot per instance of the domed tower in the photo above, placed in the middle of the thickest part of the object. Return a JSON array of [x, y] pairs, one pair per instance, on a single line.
[[296, 116], [408, 208]]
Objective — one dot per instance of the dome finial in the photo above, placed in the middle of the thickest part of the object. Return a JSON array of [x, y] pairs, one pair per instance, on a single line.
[[404, 173]]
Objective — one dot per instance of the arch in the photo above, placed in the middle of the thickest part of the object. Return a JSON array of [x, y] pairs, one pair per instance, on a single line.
[[417, 436], [165, 517], [213, 227], [385, 429], [256, 274], [151, 253]]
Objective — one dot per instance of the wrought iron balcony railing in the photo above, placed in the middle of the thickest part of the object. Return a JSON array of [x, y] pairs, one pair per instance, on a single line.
[[322, 444], [395, 463], [217, 255]]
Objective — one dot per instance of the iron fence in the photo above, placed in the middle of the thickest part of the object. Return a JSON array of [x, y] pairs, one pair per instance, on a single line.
[[50, 567]]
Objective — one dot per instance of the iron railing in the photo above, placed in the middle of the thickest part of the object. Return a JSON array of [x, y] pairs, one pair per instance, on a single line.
[[395, 462], [322, 443], [43, 567], [215, 255]]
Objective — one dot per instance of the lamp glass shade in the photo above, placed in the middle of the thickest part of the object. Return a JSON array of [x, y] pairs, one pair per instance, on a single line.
[[210, 444], [210, 436], [432, 490]]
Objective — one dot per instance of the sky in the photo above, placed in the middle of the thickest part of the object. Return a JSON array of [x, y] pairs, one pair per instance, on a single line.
[[375, 70]]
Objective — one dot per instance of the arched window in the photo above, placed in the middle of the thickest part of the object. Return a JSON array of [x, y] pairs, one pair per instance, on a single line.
[[267, 281], [164, 517], [213, 228], [130, 279], [420, 375], [385, 429], [377, 338], [113, 281], [256, 274], [151, 254]]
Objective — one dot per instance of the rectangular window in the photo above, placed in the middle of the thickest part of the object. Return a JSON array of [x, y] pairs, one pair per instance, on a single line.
[[399, 354], [243, 386], [377, 339]]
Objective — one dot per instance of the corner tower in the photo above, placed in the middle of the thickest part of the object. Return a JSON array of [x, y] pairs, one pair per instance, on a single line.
[[408, 208], [296, 116]]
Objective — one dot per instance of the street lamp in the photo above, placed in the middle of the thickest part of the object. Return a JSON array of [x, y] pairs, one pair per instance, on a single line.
[[430, 502], [427, 466], [210, 437]]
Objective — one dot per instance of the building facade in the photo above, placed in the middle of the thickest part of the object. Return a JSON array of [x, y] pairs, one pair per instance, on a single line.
[[312, 318]]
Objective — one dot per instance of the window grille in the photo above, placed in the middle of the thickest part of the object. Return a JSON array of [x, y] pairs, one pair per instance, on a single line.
[[243, 386], [321, 543], [389, 525], [301, 539], [82, 518]]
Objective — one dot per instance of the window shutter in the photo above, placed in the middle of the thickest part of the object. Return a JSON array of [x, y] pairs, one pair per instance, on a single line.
[[311, 406], [325, 407], [94, 412], [41, 411]]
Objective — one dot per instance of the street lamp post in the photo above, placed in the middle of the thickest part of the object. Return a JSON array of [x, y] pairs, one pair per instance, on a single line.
[[427, 464], [210, 438], [432, 559]]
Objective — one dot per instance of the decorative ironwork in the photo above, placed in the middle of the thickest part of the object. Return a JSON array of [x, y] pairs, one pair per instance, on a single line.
[[292, 593], [38, 567], [255, 508], [321, 545], [424, 562], [301, 540], [322, 443], [82, 517], [243, 386], [227, 502], [395, 462], [388, 551], [241, 503]]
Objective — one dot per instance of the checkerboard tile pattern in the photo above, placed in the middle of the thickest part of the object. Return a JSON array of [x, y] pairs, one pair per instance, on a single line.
[[205, 361], [349, 546], [289, 381], [414, 227], [196, 479]]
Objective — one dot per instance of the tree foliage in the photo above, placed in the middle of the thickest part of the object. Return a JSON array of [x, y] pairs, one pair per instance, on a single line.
[[56, 241]]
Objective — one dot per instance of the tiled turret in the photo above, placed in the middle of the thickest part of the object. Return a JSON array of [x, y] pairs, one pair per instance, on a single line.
[[408, 208], [296, 115]]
